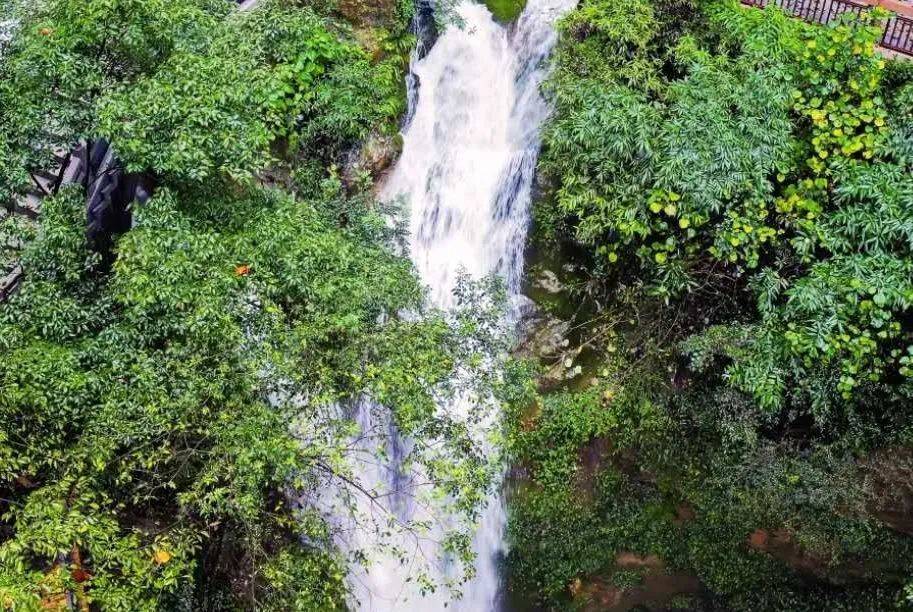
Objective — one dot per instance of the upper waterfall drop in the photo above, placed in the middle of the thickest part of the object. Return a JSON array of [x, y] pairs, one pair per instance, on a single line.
[[470, 150], [465, 175], [455, 149]]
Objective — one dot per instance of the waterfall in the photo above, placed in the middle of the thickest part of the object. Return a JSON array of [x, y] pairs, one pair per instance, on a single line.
[[470, 149], [6, 34], [466, 173]]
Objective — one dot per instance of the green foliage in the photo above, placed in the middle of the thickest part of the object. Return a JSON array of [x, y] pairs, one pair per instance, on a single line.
[[135, 403], [611, 43], [169, 419], [505, 10], [188, 120], [626, 579], [712, 170], [577, 510], [191, 91], [748, 176], [63, 59], [217, 110], [294, 568], [655, 178]]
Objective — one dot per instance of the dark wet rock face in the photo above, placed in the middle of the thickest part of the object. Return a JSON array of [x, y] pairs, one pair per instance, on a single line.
[[638, 583], [888, 475], [424, 27], [782, 545]]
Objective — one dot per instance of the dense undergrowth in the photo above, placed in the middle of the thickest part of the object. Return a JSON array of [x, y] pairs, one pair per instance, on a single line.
[[738, 190], [167, 409], [730, 189]]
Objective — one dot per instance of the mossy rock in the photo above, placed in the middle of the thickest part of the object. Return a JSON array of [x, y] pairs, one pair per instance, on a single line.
[[505, 10], [369, 13]]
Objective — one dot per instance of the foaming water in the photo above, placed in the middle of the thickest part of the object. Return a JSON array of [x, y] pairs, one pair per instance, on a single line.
[[466, 175], [470, 149], [6, 34]]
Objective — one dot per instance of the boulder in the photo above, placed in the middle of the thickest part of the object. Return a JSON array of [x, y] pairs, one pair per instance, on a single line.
[[374, 157], [544, 338], [564, 369], [549, 282]]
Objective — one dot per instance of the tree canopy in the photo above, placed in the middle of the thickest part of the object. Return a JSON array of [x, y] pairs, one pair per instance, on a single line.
[[169, 420], [735, 188]]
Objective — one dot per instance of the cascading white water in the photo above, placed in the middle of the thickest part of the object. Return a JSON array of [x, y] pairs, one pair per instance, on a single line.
[[6, 34], [470, 150], [466, 174]]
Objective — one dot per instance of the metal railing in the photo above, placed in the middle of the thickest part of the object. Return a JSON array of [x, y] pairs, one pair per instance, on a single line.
[[898, 35], [898, 30]]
